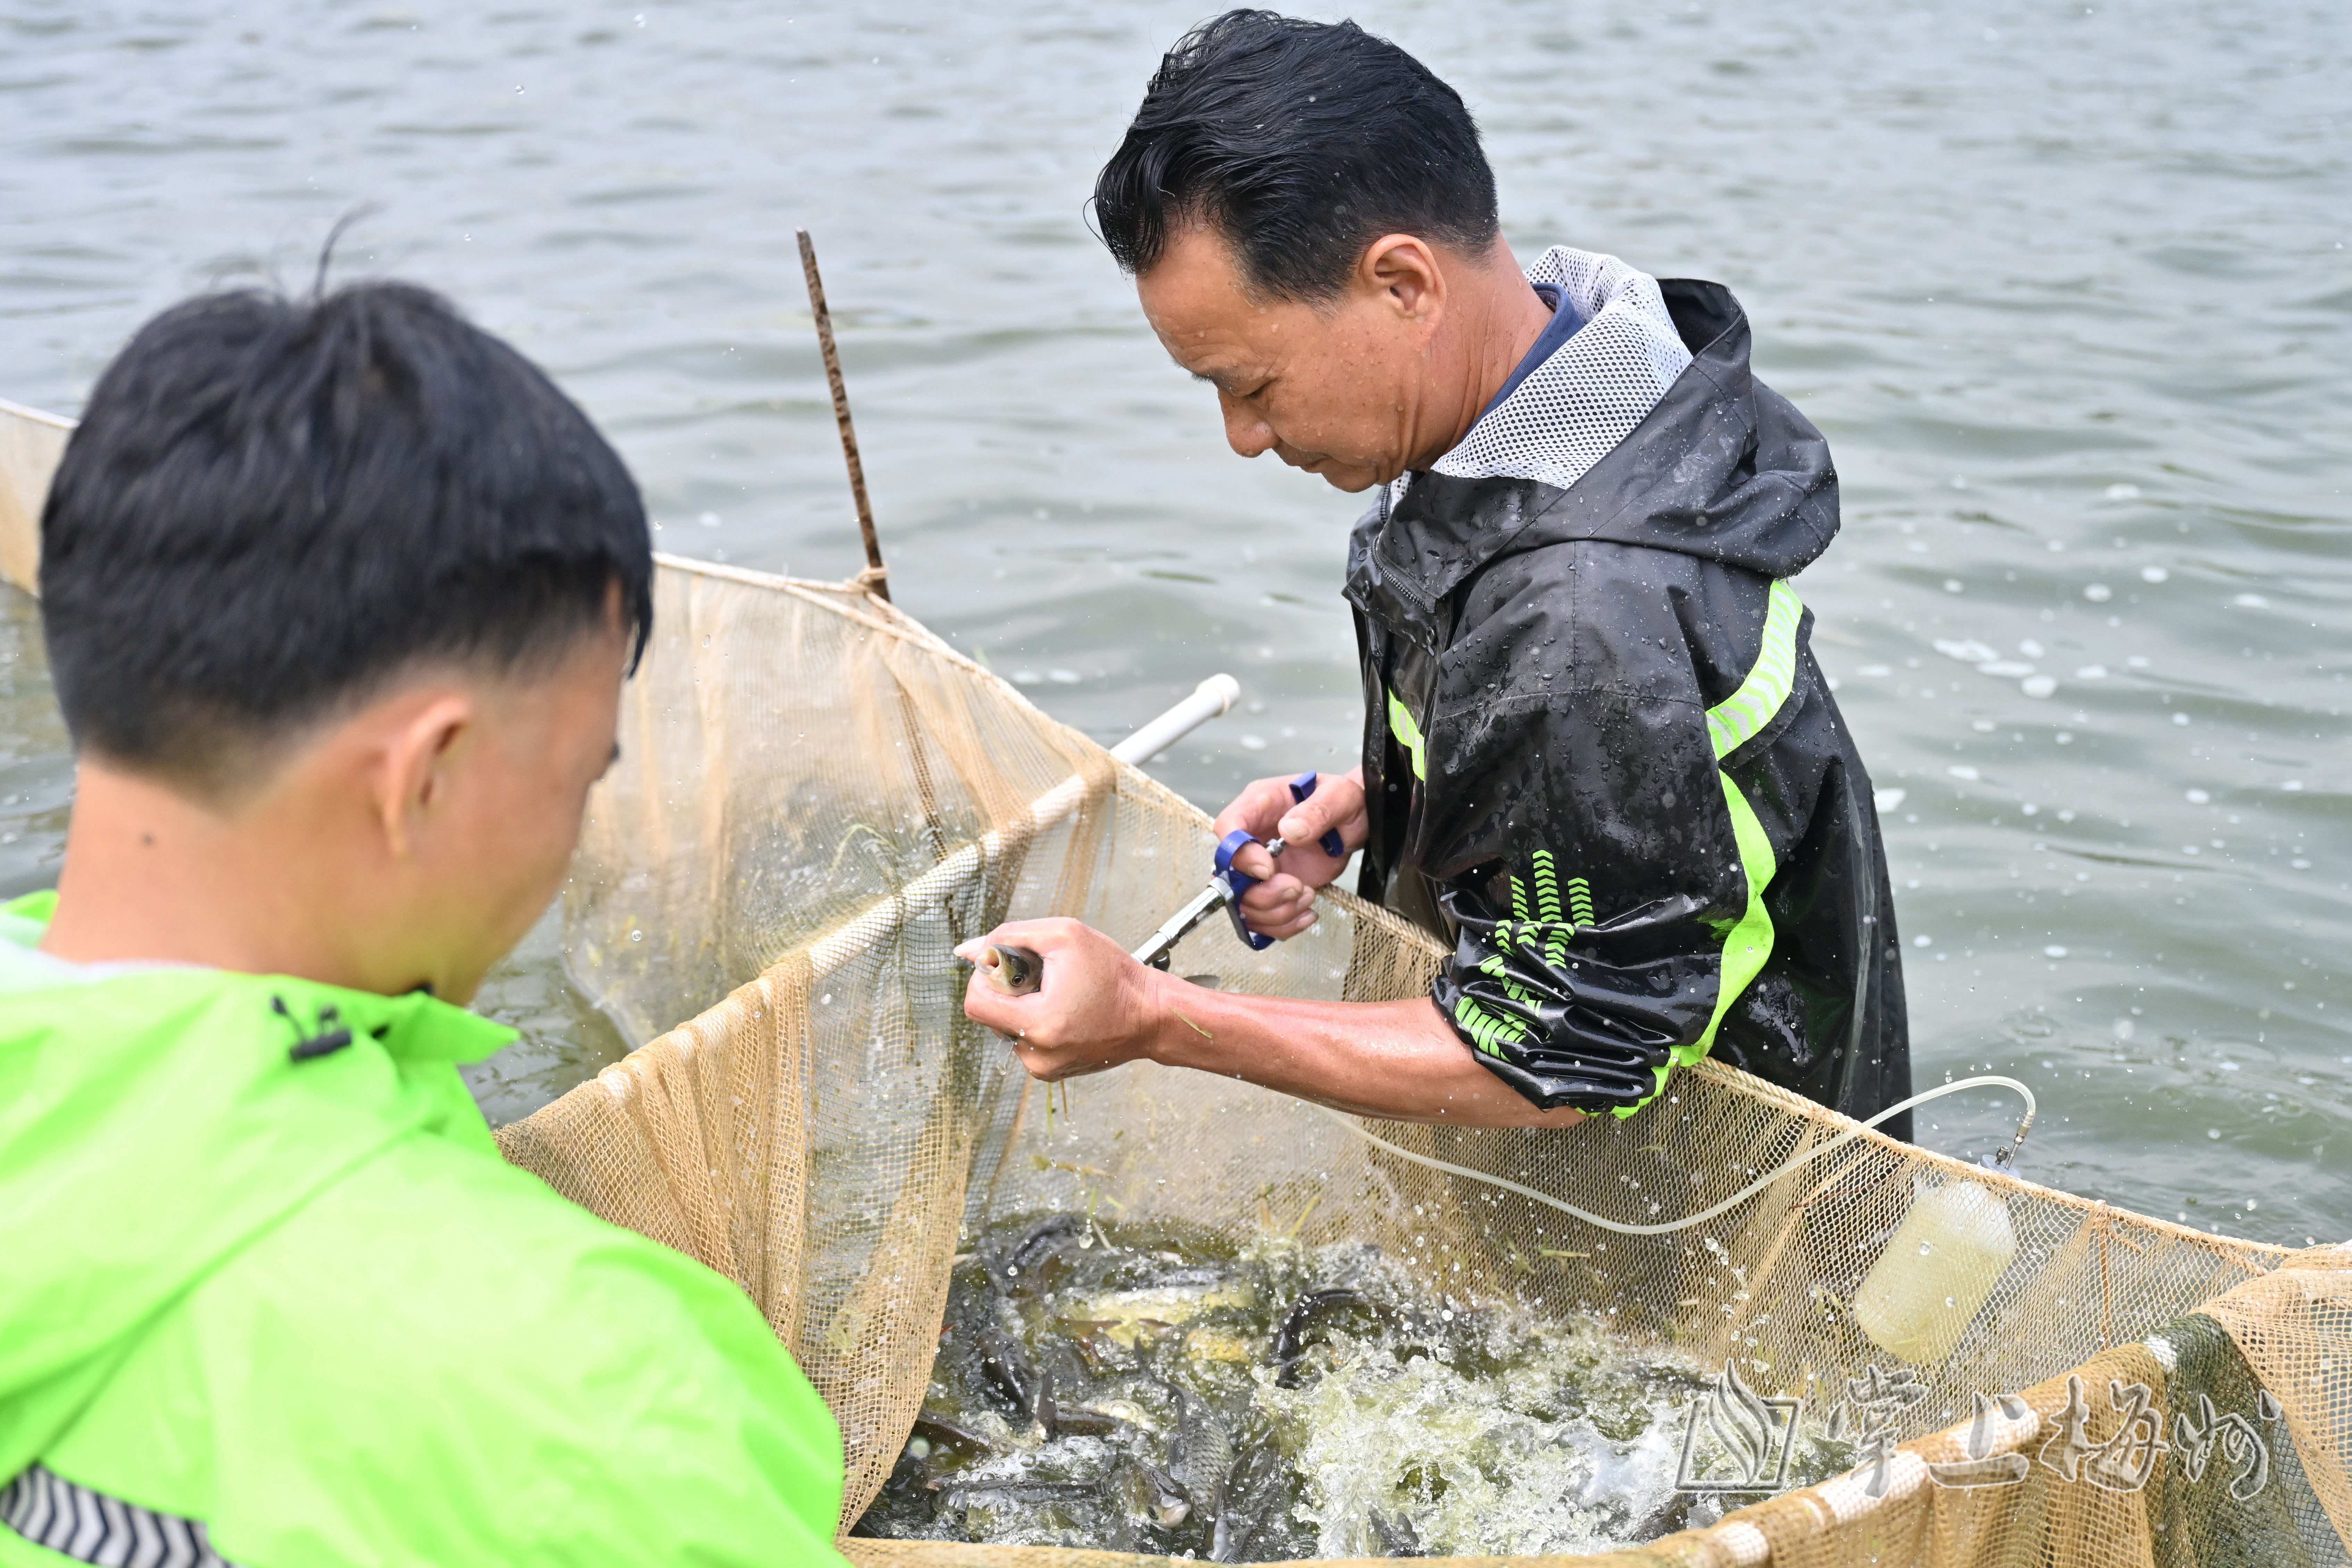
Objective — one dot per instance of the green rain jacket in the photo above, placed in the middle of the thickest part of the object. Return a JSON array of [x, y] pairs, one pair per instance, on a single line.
[[269, 1296]]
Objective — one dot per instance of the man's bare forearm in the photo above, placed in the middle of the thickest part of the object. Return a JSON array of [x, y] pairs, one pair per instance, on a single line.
[[1392, 1059], [1094, 1007]]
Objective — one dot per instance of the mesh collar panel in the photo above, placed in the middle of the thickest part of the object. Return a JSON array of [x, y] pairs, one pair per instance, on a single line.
[[1588, 395]]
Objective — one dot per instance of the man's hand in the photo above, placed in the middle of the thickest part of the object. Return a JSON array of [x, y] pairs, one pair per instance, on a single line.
[[1282, 903], [1094, 1007]]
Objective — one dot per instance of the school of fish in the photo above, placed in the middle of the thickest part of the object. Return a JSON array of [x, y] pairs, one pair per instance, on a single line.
[[1144, 1389]]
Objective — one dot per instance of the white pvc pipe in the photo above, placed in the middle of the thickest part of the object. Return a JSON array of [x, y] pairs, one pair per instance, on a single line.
[[1212, 697], [877, 921]]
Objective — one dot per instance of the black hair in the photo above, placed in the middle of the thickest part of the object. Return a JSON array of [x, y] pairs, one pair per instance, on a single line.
[[1300, 143], [272, 505]]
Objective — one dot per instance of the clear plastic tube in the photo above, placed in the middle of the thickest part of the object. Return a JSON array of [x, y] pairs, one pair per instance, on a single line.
[[1742, 1195]]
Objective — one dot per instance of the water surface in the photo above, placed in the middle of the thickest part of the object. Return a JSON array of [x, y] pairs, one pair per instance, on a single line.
[[2066, 286]]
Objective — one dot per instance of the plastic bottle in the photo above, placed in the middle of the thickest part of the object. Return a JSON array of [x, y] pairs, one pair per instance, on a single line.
[[1933, 1278]]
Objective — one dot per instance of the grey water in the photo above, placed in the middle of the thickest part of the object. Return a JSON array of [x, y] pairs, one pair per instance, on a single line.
[[2066, 286]]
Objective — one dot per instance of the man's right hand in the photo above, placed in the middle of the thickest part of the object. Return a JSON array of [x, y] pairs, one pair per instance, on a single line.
[[1282, 903]]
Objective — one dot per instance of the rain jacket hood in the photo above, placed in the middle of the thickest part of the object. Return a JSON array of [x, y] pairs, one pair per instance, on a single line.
[[1599, 757], [1646, 428]]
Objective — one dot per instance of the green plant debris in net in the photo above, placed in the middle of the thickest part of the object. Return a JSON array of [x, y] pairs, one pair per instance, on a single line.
[[1142, 1389]]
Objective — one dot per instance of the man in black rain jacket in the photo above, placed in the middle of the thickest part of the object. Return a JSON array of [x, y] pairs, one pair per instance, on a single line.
[[1599, 757]]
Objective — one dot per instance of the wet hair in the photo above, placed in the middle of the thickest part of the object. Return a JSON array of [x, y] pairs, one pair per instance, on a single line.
[[273, 507], [1300, 143]]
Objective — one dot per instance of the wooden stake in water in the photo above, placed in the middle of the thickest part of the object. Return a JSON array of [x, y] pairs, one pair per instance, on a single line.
[[875, 578]]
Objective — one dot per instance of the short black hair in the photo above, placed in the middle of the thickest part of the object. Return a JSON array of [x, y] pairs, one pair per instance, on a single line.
[[272, 505], [1300, 143]]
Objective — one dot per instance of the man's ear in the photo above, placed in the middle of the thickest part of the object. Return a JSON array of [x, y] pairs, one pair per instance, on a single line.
[[419, 769], [1403, 270]]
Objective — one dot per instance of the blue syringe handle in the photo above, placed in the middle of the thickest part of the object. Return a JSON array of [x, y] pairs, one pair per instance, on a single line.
[[1331, 843], [1238, 883]]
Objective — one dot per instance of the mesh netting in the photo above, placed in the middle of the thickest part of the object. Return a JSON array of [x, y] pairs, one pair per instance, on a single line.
[[818, 799], [31, 442], [1576, 406]]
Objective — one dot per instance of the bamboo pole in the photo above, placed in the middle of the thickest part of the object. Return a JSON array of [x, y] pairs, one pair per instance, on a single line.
[[876, 577]]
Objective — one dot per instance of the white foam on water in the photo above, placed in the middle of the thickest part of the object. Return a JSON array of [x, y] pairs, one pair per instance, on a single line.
[[1495, 1462]]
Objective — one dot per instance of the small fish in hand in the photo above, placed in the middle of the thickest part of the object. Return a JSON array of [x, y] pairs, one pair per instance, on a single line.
[[1015, 971]]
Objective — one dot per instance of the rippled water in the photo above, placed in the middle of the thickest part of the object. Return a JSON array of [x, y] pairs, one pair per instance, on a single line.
[[2065, 285]]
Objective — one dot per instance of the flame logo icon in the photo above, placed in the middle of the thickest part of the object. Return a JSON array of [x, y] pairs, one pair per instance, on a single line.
[[1753, 1436], [1740, 1422]]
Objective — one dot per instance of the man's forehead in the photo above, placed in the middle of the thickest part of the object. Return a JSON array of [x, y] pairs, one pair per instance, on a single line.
[[1205, 315], [1211, 351], [1210, 354]]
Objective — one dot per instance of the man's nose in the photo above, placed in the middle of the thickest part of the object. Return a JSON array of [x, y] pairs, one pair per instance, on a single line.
[[1246, 432]]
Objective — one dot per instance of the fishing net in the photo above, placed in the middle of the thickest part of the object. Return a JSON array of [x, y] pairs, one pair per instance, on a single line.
[[31, 442], [818, 799]]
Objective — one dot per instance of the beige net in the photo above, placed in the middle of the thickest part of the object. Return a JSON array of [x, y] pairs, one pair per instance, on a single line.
[[818, 799], [31, 442]]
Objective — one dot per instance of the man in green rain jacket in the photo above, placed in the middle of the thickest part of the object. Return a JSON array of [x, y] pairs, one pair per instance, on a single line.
[[339, 597]]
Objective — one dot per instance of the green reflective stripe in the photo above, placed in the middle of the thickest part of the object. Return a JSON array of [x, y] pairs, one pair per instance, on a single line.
[[1496, 968], [1731, 724], [1546, 887], [1542, 928], [1408, 734], [1557, 931], [1746, 946], [1737, 719], [1487, 1030]]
